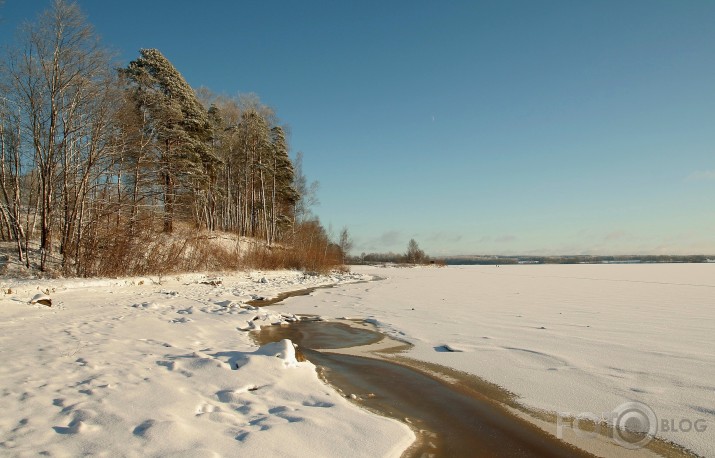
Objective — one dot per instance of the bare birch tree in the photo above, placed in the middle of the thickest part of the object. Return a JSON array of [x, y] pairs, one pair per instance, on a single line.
[[56, 73]]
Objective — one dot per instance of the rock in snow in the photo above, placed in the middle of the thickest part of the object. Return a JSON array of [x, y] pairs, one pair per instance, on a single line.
[[43, 299]]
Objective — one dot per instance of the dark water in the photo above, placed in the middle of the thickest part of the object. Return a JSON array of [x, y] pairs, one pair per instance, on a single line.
[[320, 335], [453, 423]]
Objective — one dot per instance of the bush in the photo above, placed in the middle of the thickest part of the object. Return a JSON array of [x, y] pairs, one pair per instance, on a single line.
[[148, 251]]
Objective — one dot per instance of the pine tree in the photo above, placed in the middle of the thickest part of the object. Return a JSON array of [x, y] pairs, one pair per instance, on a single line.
[[284, 194], [180, 126]]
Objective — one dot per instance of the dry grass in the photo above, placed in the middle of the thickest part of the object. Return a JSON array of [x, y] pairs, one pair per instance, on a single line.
[[309, 260], [148, 251], [113, 251]]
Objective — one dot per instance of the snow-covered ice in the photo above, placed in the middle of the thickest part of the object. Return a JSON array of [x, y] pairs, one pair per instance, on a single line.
[[578, 339], [161, 367]]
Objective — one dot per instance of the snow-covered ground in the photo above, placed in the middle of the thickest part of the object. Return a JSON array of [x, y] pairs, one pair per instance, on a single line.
[[582, 339], [162, 367]]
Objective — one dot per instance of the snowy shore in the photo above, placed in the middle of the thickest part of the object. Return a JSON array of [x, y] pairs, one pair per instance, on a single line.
[[162, 367], [577, 339]]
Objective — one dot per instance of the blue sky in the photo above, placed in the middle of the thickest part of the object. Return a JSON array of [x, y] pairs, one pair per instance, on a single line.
[[491, 127]]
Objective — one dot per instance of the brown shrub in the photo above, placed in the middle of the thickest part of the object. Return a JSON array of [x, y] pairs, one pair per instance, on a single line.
[[146, 251]]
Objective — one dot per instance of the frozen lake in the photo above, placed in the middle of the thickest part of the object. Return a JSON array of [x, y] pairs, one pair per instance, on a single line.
[[580, 340]]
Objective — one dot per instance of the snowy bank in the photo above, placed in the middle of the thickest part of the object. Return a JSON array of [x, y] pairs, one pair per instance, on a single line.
[[162, 367]]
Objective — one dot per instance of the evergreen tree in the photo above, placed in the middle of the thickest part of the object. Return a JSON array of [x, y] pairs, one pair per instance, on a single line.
[[285, 195], [180, 126], [86, 161]]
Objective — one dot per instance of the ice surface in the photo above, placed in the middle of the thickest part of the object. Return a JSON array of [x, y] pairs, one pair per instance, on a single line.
[[564, 338]]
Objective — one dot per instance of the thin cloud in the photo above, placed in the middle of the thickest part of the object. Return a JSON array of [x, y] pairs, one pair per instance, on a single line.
[[505, 239], [701, 175], [389, 240], [437, 237], [614, 236]]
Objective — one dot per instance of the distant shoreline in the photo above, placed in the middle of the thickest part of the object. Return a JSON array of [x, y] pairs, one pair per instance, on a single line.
[[577, 259]]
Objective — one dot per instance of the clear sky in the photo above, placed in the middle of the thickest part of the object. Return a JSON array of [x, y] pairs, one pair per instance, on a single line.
[[490, 127]]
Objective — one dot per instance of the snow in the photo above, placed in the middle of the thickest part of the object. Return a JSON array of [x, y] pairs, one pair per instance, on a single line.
[[160, 366], [564, 338], [164, 366]]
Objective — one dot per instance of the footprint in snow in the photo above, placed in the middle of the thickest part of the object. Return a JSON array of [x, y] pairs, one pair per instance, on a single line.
[[143, 427], [282, 412], [448, 348], [78, 423], [317, 403]]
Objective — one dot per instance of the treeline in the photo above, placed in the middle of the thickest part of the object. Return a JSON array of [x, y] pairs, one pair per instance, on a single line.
[[413, 255], [576, 259], [99, 164]]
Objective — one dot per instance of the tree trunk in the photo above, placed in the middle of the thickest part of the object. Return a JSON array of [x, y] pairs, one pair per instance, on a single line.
[[168, 193]]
